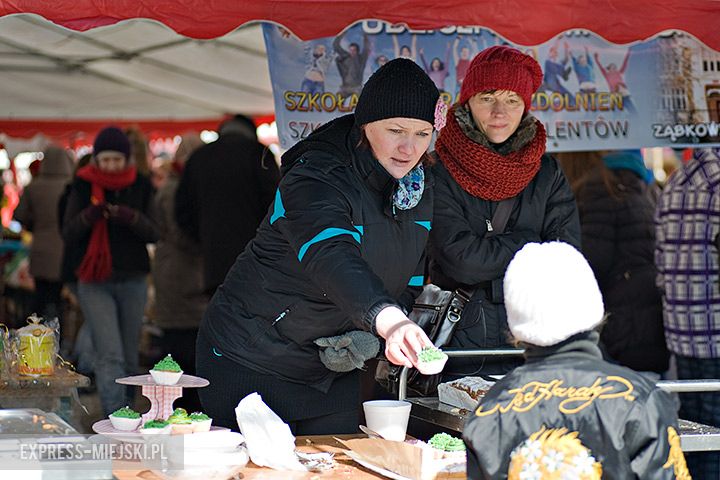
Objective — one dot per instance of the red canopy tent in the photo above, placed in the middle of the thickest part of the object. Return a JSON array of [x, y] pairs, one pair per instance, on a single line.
[[521, 21], [525, 22]]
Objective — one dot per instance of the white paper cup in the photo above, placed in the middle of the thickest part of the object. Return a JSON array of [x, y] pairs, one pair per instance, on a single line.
[[389, 418]]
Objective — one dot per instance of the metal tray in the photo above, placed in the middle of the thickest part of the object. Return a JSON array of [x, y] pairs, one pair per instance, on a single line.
[[694, 437], [18, 422]]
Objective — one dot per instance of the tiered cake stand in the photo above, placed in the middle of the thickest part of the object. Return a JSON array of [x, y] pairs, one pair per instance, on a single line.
[[161, 399]]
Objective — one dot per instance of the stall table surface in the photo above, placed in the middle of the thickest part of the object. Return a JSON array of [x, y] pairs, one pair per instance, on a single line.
[[52, 393], [346, 468], [694, 437]]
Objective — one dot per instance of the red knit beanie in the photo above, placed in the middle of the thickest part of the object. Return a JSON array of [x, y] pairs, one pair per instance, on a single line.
[[502, 68]]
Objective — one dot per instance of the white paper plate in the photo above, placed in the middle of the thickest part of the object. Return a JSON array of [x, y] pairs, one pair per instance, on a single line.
[[375, 468]]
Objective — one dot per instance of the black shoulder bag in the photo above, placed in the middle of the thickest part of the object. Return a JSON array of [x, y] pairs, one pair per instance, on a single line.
[[438, 312]]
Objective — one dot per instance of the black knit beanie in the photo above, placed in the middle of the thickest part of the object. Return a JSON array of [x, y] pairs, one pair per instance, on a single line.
[[112, 138], [400, 88]]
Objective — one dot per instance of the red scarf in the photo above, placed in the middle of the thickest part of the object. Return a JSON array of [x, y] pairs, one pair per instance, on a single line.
[[481, 171], [96, 265]]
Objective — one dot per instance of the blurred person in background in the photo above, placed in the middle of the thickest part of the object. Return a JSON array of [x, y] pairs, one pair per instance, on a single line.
[[224, 193], [37, 212], [108, 218], [178, 276], [687, 221], [616, 206], [80, 351], [139, 150]]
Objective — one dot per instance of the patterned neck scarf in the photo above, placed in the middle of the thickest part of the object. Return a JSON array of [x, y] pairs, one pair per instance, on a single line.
[[410, 188]]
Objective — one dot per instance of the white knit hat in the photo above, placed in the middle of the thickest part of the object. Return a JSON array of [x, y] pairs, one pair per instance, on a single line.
[[551, 294]]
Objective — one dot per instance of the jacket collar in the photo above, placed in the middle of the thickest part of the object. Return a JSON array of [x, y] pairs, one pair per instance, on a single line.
[[581, 344]]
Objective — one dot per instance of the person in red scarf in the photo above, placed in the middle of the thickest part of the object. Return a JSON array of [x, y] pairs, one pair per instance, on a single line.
[[108, 221], [493, 149]]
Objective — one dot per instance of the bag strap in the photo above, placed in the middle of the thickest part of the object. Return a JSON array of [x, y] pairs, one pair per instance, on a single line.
[[497, 225]]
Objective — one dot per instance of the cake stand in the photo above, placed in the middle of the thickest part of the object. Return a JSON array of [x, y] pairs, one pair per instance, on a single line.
[[161, 402], [162, 396]]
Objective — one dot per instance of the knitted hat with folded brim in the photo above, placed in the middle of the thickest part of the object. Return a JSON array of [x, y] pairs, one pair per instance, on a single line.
[[112, 138], [502, 68], [398, 89], [550, 294]]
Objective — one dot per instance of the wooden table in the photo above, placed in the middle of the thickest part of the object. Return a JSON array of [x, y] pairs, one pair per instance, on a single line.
[[346, 469]]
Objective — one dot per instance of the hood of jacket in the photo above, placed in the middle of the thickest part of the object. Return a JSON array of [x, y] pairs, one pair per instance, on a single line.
[[332, 137]]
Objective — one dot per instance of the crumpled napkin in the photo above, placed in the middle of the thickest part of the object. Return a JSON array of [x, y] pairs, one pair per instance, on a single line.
[[268, 439], [349, 351]]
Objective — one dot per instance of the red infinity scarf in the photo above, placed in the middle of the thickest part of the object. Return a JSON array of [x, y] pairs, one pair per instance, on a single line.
[[96, 265], [481, 171]]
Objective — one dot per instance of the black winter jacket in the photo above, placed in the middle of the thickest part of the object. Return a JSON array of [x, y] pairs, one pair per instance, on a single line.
[[127, 243], [224, 193], [624, 421], [618, 238], [331, 253], [461, 255]]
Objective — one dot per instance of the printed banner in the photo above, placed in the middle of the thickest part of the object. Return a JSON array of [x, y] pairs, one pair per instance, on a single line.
[[595, 95]]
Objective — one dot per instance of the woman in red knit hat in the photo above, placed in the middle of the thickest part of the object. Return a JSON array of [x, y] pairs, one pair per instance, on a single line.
[[491, 150]]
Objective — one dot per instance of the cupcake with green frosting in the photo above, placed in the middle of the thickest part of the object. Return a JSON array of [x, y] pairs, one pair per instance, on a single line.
[[431, 360], [180, 422], [155, 427], [166, 371], [452, 447], [200, 422], [125, 419]]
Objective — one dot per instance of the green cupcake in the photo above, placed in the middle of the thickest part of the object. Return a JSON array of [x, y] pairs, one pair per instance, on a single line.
[[125, 412], [156, 424], [198, 417], [167, 364], [166, 372], [447, 443]]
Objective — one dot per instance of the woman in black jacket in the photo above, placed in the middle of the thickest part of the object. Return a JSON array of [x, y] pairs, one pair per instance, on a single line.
[[340, 254], [493, 150], [618, 237], [107, 226]]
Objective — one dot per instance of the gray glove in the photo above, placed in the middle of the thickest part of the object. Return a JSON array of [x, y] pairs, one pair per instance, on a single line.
[[349, 351]]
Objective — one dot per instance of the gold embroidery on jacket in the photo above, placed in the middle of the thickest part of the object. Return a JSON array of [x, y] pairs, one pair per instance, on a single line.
[[525, 398], [676, 459], [553, 454]]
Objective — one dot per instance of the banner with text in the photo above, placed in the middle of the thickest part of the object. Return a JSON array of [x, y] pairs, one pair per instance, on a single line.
[[595, 95]]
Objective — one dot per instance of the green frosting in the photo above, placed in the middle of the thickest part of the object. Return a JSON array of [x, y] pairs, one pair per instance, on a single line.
[[448, 443], [429, 354], [167, 364], [198, 417], [156, 424], [125, 412], [179, 416]]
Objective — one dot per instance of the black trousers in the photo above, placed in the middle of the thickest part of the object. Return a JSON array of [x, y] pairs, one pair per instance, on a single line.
[[306, 410]]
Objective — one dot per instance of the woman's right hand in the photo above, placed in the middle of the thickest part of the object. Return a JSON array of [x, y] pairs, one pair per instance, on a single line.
[[403, 337]]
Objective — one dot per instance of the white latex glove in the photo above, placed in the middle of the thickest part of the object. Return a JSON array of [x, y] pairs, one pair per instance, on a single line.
[[403, 338]]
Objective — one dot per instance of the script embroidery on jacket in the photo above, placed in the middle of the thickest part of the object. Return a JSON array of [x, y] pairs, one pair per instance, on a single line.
[[576, 399]]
